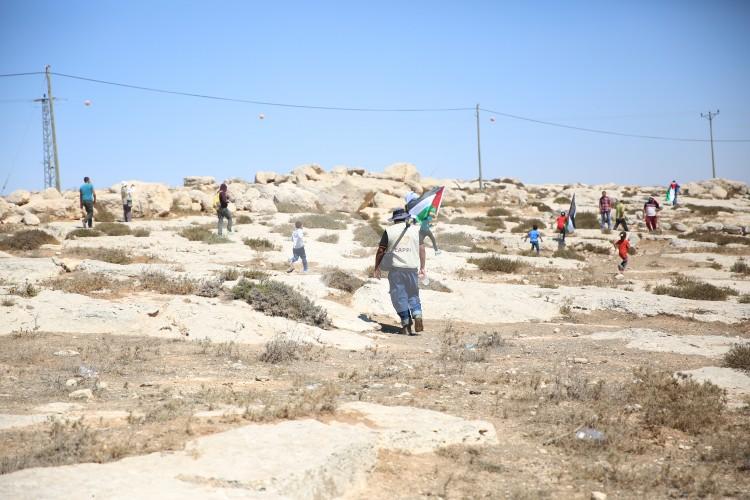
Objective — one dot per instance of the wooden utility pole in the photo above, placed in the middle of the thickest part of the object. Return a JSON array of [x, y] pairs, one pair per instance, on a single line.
[[479, 152], [52, 123], [710, 117]]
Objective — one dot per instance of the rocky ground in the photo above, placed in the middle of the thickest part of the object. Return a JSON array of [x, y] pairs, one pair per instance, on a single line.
[[155, 359]]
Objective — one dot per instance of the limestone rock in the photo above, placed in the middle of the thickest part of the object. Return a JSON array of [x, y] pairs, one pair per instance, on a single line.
[[680, 227], [310, 172], [203, 199], [84, 394], [198, 181], [265, 177], [261, 205], [711, 226], [53, 207], [382, 200], [30, 219], [181, 200], [719, 192], [294, 198], [733, 229], [402, 172], [19, 197], [5, 208]]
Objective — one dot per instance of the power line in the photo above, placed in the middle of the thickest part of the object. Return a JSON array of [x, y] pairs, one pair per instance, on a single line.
[[607, 132], [249, 101], [8, 75]]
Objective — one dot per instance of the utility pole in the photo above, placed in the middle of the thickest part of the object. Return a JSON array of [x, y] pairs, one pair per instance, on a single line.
[[710, 117], [479, 152], [52, 122]]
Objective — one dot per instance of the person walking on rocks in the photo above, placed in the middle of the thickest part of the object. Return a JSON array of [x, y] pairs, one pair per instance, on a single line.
[[298, 248], [425, 228], [87, 198], [605, 208], [126, 193], [623, 246], [223, 208], [534, 236], [620, 216], [672, 192], [650, 208], [401, 253], [561, 224]]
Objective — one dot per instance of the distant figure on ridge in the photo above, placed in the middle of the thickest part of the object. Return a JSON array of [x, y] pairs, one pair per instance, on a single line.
[[401, 253], [425, 230], [620, 216], [561, 224], [534, 236], [672, 192], [623, 246], [650, 208], [87, 198], [223, 209], [605, 208], [126, 193], [298, 248]]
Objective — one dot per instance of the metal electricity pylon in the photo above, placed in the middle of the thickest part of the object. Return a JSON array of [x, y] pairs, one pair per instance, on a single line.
[[49, 137]]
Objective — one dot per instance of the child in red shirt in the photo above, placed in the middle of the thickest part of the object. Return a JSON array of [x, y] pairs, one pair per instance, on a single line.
[[623, 245]]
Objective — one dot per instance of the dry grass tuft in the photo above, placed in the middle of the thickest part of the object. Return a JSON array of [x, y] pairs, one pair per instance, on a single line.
[[588, 247], [29, 239], [111, 255], [720, 239], [333, 220], [708, 210], [526, 225], [587, 220], [689, 288], [83, 233], [259, 244], [566, 253], [201, 233], [101, 214], [496, 264], [497, 212], [83, 283], [26, 290], [341, 280], [141, 232], [562, 200], [682, 404], [329, 238], [740, 267], [243, 219], [738, 357], [113, 228], [159, 282], [489, 224], [278, 299], [283, 350]]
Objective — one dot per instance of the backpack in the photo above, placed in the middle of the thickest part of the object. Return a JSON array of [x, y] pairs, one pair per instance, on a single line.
[[217, 201]]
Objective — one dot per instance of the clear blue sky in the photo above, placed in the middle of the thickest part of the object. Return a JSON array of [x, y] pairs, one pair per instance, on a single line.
[[643, 67]]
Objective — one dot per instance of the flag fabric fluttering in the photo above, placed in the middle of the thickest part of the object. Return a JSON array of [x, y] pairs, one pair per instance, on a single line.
[[670, 195], [570, 225], [427, 205]]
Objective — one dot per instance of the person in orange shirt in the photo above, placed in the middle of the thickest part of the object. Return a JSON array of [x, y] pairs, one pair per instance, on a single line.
[[623, 245]]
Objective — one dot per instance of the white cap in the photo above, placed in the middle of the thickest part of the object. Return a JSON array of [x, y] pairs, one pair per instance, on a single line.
[[410, 196]]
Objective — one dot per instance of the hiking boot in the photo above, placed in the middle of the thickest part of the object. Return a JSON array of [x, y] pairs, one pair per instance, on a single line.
[[405, 330], [418, 326]]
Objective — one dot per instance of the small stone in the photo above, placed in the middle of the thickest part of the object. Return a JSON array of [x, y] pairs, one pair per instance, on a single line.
[[238, 366], [474, 392], [262, 378], [67, 352], [555, 330], [633, 408], [101, 385], [525, 281], [575, 334], [404, 395], [71, 382], [580, 361], [81, 394], [460, 382], [598, 495]]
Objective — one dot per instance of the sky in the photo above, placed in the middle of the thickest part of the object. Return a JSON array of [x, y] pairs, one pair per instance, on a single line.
[[637, 67]]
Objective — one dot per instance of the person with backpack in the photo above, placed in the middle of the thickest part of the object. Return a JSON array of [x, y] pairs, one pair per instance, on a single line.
[[620, 216], [298, 248], [126, 193], [605, 209], [221, 204], [87, 198], [534, 236], [650, 209], [623, 247], [401, 253], [561, 224]]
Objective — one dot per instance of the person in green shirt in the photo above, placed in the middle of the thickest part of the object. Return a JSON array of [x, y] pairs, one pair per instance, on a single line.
[[620, 216]]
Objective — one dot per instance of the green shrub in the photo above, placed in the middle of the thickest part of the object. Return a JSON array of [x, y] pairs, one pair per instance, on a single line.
[[562, 200], [278, 299], [255, 274], [497, 212], [329, 238], [542, 207], [29, 239], [341, 280], [689, 288], [495, 264], [83, 233], [744, 298], [283, 350], [243, 219], [259, 244], [113, 228]]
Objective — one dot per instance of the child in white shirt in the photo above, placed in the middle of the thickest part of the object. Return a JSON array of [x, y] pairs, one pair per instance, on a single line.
[[298, 248]]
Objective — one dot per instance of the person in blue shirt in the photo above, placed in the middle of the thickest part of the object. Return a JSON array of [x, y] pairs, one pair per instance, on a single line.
[[87, 197], [534, 237]]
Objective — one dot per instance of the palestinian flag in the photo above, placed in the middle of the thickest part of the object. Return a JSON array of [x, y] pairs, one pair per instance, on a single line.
[[426, 205], [570, 225], [670, 196]]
